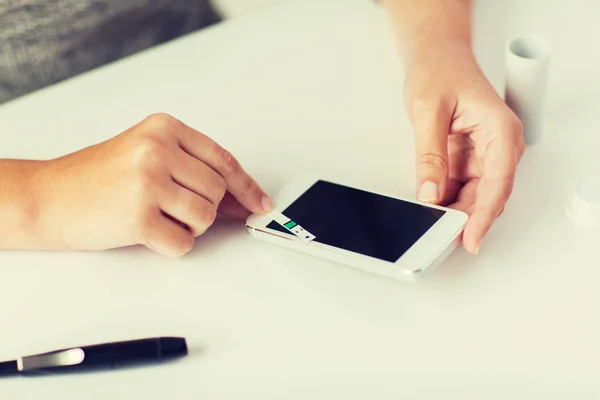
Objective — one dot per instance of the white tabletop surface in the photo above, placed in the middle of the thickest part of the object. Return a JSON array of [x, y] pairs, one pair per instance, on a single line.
[[306, 88]]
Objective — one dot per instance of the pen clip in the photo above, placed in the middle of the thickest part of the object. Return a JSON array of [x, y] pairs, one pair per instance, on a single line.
[[63, 358]]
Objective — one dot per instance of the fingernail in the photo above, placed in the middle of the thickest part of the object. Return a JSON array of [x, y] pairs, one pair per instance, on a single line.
[[267, 204], [428, 192], [477, 248]]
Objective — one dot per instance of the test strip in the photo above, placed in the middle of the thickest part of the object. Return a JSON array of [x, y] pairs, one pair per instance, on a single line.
[[291, 226]]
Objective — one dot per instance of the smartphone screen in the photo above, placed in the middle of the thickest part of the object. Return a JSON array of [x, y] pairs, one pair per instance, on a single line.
[[361, 222]]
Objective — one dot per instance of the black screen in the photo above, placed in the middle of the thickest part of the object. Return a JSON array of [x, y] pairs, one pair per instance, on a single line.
[[366, 223]]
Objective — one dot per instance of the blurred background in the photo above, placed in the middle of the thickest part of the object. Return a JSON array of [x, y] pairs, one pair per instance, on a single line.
[[232, 8]]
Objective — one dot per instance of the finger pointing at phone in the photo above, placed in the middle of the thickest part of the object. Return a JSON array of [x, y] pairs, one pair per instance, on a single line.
[[245, 190], [160, 184]]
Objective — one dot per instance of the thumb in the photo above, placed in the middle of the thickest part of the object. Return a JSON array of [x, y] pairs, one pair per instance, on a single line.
[[431, 126]]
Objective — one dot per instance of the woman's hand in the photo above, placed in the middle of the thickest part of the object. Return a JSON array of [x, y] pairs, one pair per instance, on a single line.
[[159, 184], [468, 141]]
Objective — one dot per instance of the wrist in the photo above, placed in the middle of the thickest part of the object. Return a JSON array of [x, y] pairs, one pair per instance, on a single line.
[[23, 205], [431, 45], [37, 219], [43, 221], [422, 24]]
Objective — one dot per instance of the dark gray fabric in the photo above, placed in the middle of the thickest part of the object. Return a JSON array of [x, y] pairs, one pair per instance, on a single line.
[[46, 41]]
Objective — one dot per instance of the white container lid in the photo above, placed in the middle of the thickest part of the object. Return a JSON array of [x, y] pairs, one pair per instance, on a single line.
[[584, 206]]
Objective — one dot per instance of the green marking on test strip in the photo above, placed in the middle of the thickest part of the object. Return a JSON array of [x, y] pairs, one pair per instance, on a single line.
[[290, 224]]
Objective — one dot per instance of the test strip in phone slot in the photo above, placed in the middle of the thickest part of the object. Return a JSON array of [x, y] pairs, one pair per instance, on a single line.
[[291, 226]]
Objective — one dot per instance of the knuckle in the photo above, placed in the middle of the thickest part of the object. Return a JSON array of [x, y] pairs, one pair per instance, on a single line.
[[202, 213], [214, 181], [162, 123], [249, 188], [517, 125], [514, 122], [149, 152], [514, 128], [520, 139], [226, 159], [433, 161], [180, 246], [183, 245], [220, 187], [159, 119], [190, 207], [209, 214]]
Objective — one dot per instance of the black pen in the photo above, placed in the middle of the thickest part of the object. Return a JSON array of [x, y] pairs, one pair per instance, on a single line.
[[98, 357]]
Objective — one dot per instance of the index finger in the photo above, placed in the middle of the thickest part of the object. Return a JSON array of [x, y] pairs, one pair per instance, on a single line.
[[493, 190], [241, 185]]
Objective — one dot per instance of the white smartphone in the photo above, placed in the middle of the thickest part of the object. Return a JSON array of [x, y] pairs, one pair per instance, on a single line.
[[382, 234]]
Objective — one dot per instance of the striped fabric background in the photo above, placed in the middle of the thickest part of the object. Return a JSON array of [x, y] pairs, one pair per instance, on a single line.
[[45, 41]]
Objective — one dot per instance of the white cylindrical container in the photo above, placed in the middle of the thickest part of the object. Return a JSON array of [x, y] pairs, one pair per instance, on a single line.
[[584, 206], [527, 60]]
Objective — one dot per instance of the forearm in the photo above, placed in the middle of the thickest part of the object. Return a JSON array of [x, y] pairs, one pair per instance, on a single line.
[[418, 23], [22, 205]]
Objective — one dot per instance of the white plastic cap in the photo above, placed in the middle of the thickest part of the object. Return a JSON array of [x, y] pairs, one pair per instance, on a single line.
[[584, 206]]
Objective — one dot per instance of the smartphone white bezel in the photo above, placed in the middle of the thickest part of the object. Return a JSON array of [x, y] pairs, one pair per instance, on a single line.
[[426, 253]]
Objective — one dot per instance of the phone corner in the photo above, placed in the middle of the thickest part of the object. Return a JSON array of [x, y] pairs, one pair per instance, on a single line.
[[464, 217], [459, 216], [410, 275], [250, 230]]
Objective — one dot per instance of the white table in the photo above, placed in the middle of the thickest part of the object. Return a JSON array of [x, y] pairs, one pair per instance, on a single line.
[[293, 90]]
